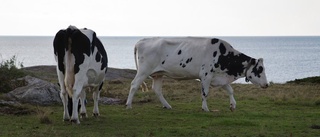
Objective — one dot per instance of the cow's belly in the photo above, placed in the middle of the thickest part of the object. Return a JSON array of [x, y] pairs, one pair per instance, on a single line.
[[222, 80], [176, 73]]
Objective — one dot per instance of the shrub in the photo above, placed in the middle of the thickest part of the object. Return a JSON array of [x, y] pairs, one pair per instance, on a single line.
[[8, 73]]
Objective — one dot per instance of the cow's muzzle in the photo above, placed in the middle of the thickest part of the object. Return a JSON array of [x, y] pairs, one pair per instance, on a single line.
[[264, 86]]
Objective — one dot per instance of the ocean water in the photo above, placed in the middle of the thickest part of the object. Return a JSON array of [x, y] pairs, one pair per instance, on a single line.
[[285, 58]]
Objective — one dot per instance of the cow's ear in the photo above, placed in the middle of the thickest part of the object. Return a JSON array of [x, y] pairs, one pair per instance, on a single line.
[[253, 61], [260, 60]]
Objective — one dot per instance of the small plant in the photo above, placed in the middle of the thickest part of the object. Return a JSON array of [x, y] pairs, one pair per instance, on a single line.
[[9, 71], [43, 115]]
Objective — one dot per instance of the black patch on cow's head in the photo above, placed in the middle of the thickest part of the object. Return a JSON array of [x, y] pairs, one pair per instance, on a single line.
[[222, 48], [214, 54], [257, 70], [214, 41], [179, 52]]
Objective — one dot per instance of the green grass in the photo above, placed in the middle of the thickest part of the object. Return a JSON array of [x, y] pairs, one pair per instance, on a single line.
[[280, 110]]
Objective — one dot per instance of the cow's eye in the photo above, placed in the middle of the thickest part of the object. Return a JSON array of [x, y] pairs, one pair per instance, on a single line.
[[250, 77]]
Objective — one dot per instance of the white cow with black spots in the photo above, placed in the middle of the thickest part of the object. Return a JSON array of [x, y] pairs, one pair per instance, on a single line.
[[213, 61], [81, 64]]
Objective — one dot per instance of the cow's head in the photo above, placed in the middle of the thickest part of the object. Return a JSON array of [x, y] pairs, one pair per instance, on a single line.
[[256, 73]]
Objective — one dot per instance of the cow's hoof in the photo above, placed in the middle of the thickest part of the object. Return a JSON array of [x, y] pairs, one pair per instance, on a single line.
[[206, 109], [128, 107], [83, 115], [96, 114], [75, 121], [66, 120], [232, 109], [167, 107]]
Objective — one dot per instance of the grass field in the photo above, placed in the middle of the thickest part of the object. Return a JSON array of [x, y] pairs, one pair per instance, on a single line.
[[280, 110]]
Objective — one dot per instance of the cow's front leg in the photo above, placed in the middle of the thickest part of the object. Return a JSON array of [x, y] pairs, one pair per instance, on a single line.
[[157, 87], [205, 84], [233, 103]]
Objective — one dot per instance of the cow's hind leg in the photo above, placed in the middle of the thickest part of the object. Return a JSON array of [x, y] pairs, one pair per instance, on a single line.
[[157, 87], [83, 110], [75, 104], [96, 96], [136, 82], [65, 99], [232, 100], [205, 84]]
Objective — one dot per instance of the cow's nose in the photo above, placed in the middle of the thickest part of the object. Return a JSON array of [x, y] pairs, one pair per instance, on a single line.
[[265, 86]]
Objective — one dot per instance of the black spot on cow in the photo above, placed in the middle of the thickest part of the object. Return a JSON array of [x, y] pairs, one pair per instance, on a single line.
[[179, 52], [211, 70], [96, 42], [215, 54], [60, 46], [100, 87], [233, 63], [203, 93], [222, 48], [189, 60], [183, 65], [216, 65], [205, 74], [98, 57], [214, 41], [180, 64], [163, 62], [80, 45]]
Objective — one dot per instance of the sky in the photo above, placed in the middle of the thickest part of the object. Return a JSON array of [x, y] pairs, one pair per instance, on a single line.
[[162, 17]]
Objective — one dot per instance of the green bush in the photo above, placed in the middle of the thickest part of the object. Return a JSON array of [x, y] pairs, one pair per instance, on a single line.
[[9, 71]]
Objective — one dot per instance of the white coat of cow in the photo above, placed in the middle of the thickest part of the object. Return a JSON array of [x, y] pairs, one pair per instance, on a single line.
[[213, 61], [81, 64]]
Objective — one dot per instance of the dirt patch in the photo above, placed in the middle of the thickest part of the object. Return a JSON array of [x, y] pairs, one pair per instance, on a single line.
[[14, 109], [315, 126]]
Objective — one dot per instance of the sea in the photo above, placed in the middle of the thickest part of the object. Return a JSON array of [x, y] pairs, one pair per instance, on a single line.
[[286, 58]]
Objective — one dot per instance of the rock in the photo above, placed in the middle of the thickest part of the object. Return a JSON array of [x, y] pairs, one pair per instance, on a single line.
[[36, 91], [8, 103], [109, 101]]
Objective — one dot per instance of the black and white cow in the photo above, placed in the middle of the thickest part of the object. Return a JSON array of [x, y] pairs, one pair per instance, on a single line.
[[213, 61], [81, 64]]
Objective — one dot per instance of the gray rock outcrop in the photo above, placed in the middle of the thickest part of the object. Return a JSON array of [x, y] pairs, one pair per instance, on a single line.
[[36, 91]]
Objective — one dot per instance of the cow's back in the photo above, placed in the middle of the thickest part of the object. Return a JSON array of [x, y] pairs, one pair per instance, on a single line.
[[178, 57]]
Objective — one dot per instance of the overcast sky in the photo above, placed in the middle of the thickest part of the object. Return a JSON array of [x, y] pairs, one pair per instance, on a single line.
[[163, 17]]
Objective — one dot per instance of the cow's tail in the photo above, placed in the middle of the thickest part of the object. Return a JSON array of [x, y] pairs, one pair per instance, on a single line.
[[143, 86], [69, 64], [135, 57]]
